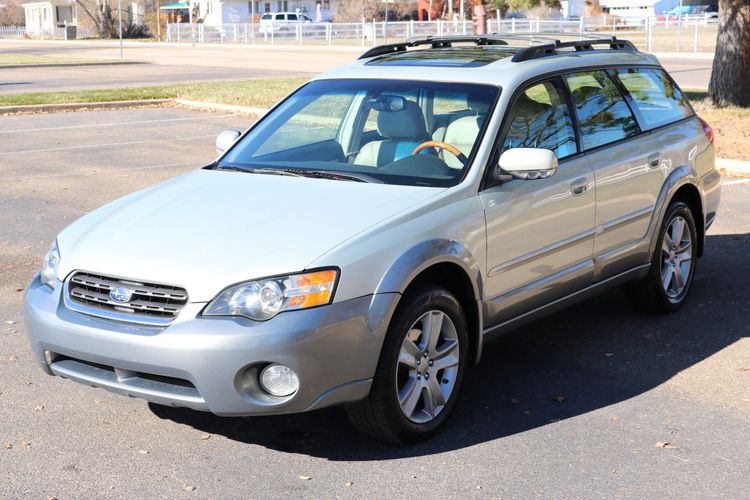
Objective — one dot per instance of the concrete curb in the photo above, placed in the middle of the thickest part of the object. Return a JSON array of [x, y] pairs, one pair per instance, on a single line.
[[733, 168], [51, 108], [247, 110], [70, 64]]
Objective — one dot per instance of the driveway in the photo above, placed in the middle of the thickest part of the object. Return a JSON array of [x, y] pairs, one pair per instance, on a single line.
[[571, 407]]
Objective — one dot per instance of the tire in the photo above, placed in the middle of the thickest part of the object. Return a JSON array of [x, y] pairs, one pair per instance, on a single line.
[[666, 287], [402, 376]]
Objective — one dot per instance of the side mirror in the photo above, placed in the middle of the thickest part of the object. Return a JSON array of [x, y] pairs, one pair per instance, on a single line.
[[225, 140], [528, 163]]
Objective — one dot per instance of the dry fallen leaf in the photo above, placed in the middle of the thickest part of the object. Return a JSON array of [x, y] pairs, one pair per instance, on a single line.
[[743, 369], [10, 322], [143, 452], [38, 408], [349, 483], [608, 354], [305, 478], [615, 418], [560, 399], [205, 436], [25, 444], [8, 446], [660, 444], [188, 487], [13, 358]]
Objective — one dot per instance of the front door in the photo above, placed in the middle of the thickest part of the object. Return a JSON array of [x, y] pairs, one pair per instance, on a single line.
[[540, 233]]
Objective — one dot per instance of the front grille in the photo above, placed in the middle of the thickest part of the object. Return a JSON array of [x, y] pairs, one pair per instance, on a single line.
[[149, 302]]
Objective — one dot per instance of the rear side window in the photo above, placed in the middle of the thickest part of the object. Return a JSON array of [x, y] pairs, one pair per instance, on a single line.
[[603, 114], [655, 97], [291, 17]]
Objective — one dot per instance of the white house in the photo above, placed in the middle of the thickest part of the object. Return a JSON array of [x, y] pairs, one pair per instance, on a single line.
[[45, 16], [638, 8], [621, 8], [215, 12]]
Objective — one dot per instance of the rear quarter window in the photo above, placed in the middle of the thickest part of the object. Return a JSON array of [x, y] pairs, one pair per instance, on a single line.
[[656, 99]]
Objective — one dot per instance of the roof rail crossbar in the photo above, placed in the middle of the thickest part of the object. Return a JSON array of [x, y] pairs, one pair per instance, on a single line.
[[579, 45], [435, 42]]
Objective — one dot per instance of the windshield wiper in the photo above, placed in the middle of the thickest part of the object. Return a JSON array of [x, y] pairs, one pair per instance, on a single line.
[[326, 174], [272, 171], [298, 172]]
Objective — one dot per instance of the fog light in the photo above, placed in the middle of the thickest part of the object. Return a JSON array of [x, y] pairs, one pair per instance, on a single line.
[[279, 380]]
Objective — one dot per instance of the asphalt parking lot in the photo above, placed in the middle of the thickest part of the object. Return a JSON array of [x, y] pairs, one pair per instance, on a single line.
[[571, 407]]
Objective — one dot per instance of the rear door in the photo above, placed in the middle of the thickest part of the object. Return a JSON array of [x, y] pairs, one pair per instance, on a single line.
[[629, 169]]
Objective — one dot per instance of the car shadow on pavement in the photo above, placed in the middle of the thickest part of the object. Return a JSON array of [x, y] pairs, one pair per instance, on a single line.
[[588, 357]]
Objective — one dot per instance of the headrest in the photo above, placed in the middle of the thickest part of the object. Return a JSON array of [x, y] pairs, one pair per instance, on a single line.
[[405, 124]]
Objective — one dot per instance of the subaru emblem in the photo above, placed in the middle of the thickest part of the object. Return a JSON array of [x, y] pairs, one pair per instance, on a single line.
[[121, 295]]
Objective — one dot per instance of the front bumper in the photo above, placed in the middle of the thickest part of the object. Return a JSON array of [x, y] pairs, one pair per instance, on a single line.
[[212, 364]]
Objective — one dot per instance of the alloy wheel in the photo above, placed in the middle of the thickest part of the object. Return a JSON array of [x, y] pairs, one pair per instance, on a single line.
[[677, 257], [427, 366]]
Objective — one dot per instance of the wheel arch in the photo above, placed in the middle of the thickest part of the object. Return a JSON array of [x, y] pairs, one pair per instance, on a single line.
[[681, 184], [689, 194], [446, 263]]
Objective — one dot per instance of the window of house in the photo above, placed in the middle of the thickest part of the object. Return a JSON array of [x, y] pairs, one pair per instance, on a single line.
[[539, 118], [603, 114], [658, 101]]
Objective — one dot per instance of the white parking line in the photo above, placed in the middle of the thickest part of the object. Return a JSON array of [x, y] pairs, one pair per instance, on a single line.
[[110, 144], [124, 169], [736, 181], [115, 124]]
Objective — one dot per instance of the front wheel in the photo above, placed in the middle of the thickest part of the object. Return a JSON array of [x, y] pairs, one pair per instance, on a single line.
[[420, 370], [672, 265]]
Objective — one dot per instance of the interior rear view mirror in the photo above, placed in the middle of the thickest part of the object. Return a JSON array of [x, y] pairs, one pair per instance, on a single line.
[[387, 103]]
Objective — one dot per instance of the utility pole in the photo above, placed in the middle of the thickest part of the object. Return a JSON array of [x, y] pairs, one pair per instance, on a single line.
[[119, 17]]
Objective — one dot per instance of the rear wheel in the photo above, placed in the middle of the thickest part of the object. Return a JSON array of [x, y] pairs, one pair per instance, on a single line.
[[420, 370], [672, 266]]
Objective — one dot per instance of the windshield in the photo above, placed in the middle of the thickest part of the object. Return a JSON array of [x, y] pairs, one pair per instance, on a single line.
[[397, 132]]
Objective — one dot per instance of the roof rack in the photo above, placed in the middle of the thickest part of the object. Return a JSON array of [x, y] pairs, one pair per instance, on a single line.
[[436, 42], [548, 44], [579, 45]]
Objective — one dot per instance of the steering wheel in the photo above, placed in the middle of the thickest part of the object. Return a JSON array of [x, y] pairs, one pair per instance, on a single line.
[[442, 145]]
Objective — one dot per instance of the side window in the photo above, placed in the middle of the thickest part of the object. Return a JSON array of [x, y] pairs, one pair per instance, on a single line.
[[658, 102], [291, 17], [603, 114], [539, 118]]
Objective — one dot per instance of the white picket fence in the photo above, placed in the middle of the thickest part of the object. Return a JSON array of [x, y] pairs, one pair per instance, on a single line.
[[20, 32], [689, 33]]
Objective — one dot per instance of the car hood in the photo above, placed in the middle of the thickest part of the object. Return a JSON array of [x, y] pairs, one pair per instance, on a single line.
[[209, 229]]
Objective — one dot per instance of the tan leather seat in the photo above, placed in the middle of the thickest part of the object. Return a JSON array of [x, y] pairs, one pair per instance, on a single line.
[[404, 130], [463, 132]]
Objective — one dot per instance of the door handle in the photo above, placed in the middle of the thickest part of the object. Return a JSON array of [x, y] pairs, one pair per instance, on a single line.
[[578, 187], [654, 160]]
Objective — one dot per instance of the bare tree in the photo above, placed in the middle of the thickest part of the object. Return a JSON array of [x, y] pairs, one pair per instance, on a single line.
[[11, 14], [731, 68]]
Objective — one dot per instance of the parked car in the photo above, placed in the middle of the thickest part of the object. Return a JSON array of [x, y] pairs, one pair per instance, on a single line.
[[282, 21], [360, 243]]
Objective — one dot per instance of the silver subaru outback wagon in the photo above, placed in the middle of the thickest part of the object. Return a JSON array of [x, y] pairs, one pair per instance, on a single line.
[[360, 243]]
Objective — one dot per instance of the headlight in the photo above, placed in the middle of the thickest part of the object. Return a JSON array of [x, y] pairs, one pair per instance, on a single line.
[[263, 299], [50, 267]]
